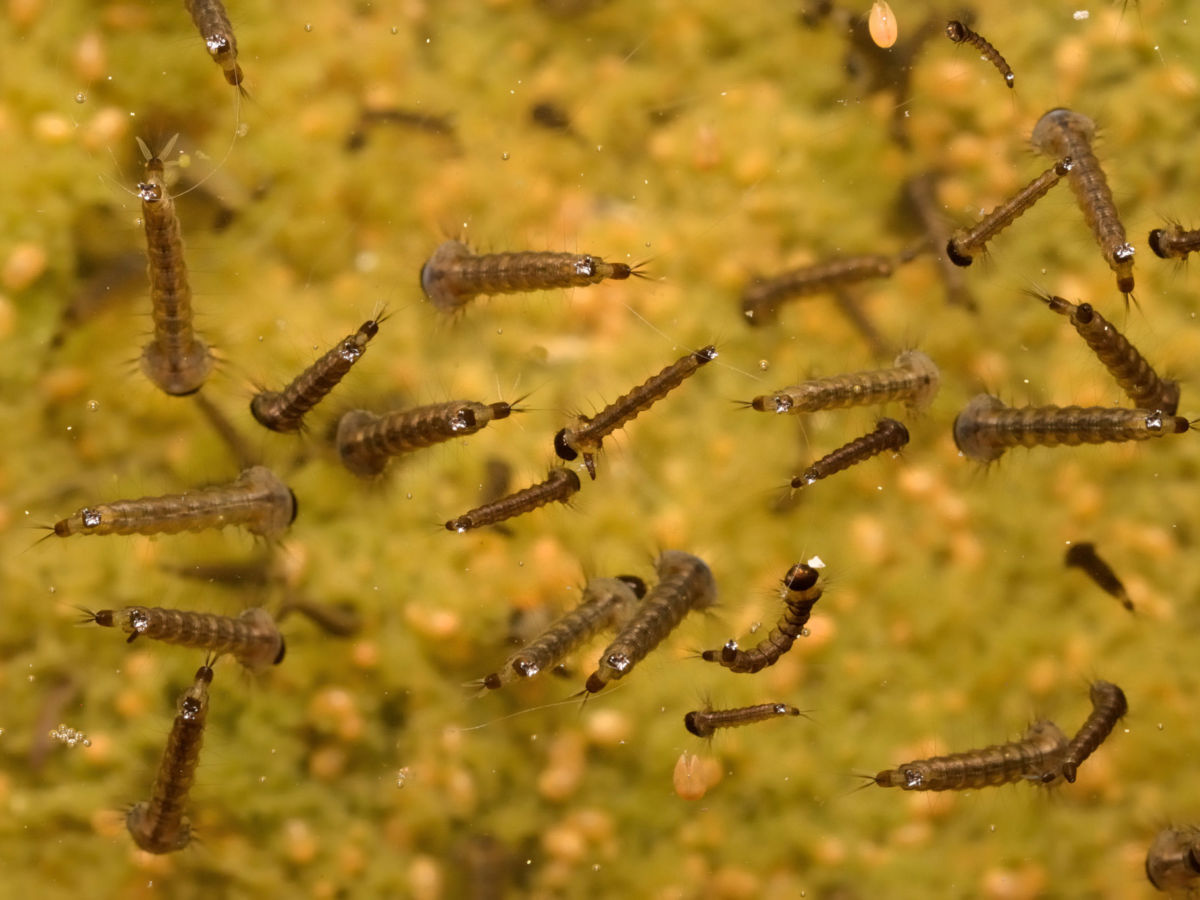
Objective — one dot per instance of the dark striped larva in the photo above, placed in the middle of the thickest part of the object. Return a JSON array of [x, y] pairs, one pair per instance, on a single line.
[[1063, 132], [159, 825], [704, 722], [967, 243], [986, 427], [252, 638], [1035, 757], [454, 276], [1136, 377], [560, 485], [888, 435], [589, 432], [1108, 706], [1173, 242], [960, 33], [175, 360], [258, 501], [217, 32], [685, 584], [1173, 860], [1083, 556], [802, 589], [913, 378], [606, 603], [284, 410], [366, 441], [762, 299]]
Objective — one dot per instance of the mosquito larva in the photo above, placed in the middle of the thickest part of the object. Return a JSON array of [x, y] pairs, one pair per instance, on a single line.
[[986, 427], [802, 589], [913, 378], [158, 825], [560, 485], [1063, 132], [606, 603], [1173, 242], [1108, 706], [960, 33], [366, 441], [338, 619], [1035, 757], [1173, 860], [453, 276], [229, 434], [762, 299], [967, 243], [213, 24], [888, 435], [589, 432], [685, 584], [72, 737], [704, 722], [175, 360], [252, 638], [284, 410], [1084, 556], [258, 501], [921, 193]]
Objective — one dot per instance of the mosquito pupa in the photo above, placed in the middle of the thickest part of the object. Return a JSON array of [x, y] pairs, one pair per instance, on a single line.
[[1063, 132], [366, 441], [888, 435], [913, 378], [685, 583], [1083, 556], [454, 276], [589, 432], [986, 427], [1035, 757], [175, 360], [252, 638], [1136, 377], [1173, 860], [213, 24], [158, 825], [258, 501], [560, 485], [1173, 242], [967, 243], [762, 299], [285, 410], [606, 603], [1108, 706], [705, 722], [802, 589], [960, 33]]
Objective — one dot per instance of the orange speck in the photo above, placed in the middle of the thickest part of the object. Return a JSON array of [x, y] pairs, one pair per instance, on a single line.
[[882, 25]]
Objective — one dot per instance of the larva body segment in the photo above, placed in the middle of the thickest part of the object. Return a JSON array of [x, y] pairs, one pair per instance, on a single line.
[[1108, 707], [1173, 860], [960, 33], [258, 501], [888, 435], [560, 485], [914, 378], [705, 722], [762, 299], [252, 638], [1083, 556], [213, 24]]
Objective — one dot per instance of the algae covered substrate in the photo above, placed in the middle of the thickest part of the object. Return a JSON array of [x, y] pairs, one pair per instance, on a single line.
[[710, 142]]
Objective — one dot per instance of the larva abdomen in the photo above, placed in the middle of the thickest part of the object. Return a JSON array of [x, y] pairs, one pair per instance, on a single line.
[[560, 485], [762, 299], [252, 637], [1108, 707], [213, 24]]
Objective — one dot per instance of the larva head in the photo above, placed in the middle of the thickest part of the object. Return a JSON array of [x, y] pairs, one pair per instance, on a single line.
[[705, 355], [890, 778], [968, 433], [800, 577], [562, 445], [461, 525], [438, 277], [492, 682], [1156, 241], [697, 725], [956, 256], [956, 31]]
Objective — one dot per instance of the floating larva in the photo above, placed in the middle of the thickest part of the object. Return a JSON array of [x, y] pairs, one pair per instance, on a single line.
[[921, 194], [704, 722], [285, 410], [685, 584], [1063, 132], [366, 441], [1173, 242], [175, 360], [1173, 860], [589, 432], [888, 435], [1036, 757], [913, 378], [1083, 556], [1136, 377], [960, 33], [1108, 706], [967, 243], [213, 24], [340, 619], [454, 276], [159, 825], [258, 501], [560, 485], [606, 603], [802, 590], [252, 638], [881, 23], [762, 299], [986, 427], [229, 434]]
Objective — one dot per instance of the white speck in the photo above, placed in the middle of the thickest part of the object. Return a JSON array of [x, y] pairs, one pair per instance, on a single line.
[[816, 563], [1080, 14]]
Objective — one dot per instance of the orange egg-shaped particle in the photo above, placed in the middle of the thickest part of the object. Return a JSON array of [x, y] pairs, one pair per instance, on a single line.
[[882, 25]]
